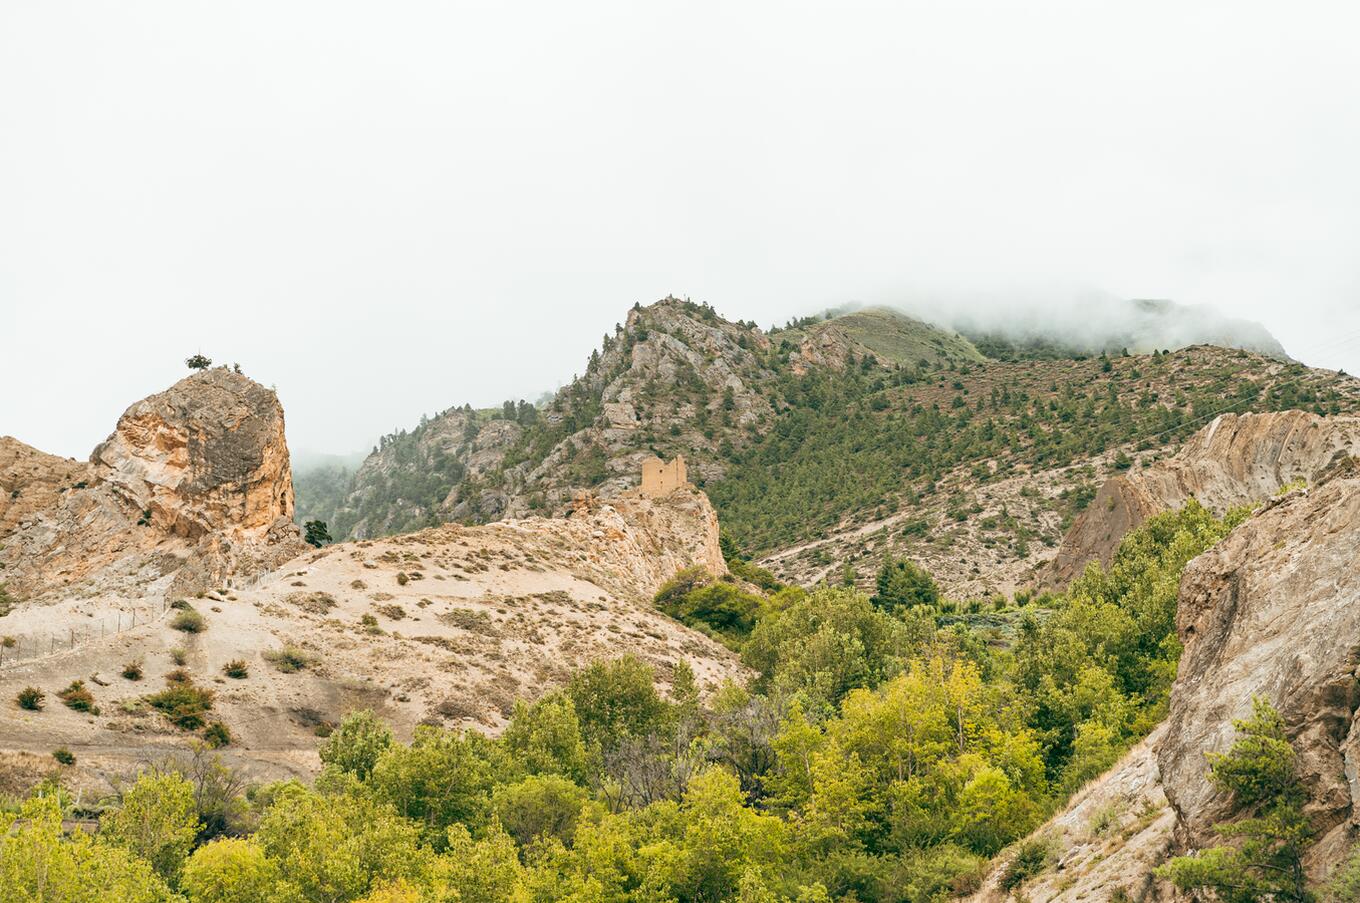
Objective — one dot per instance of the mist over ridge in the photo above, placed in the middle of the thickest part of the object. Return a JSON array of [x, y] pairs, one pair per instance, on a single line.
[[1085, 323]]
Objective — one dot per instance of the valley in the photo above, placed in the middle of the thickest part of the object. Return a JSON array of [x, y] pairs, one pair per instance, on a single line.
[[919, 624]]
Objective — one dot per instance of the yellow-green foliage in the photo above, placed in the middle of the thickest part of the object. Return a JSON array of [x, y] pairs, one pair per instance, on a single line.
[[39, 861], [229, 870], [157, 821], [1098, 672], [880, 754]]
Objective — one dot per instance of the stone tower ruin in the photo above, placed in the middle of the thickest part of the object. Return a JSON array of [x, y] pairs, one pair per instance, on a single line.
[[663, 477]]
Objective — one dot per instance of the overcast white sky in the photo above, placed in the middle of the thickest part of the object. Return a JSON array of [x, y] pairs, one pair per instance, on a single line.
[[389, 208]]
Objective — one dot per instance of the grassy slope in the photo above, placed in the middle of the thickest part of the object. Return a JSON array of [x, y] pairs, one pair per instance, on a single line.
[[904, 340]]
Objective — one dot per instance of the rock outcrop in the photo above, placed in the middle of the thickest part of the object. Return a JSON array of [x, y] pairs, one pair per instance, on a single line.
[[194, 481], [1235, 460], [1272, 611], [207, 455], [32, 481]]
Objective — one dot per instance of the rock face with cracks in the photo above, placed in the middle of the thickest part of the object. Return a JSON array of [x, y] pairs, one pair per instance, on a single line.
[[207, 455], [194, 481], [1272, 611], [1238, 459]]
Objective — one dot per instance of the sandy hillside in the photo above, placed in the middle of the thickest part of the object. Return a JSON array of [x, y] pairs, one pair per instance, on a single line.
[[460, 621]]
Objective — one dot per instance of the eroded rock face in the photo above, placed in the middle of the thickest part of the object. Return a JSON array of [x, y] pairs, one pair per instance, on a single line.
[[207, 455], [1273, 611], [194, 482], [32, 481], [1238, 459]]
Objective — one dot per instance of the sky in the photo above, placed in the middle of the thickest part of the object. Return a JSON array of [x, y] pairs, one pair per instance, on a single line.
[[387, 209]]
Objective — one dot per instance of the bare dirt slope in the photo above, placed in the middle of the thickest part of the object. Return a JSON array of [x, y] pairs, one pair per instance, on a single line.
[[462, 621]]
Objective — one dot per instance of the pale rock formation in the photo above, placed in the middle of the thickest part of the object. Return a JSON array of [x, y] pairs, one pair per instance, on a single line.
[[194, 481], [1273, 610], [207, 455], [32, 481], [1238, 459]]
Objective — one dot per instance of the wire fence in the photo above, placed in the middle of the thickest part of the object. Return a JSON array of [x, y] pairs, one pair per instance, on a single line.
[[19, 647]]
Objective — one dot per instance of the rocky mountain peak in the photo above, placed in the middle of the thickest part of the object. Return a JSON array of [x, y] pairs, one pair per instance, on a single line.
[[206, 455], [196, 475]]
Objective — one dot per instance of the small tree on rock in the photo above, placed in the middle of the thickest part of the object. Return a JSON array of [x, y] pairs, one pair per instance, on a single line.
[[198, 362], [1264, 857], [317, 533]]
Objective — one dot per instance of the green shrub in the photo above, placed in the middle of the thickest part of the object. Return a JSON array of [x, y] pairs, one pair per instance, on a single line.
[[217, 735], [1263, 858], [236, 669], [189, 620], [720, 608], [617, 699], [133, 671], [1032, 856], [356, 745], [903, 585], [64, 756], [680, 586], [30, 698], [289, 659], [755, 574], [78, 698], [183, 704], [179, 655]]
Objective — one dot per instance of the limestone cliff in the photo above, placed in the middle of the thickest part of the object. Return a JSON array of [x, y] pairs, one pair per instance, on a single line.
[[207, 455], [1238, 459], [1273, 611], [32, 481], [194, 481]]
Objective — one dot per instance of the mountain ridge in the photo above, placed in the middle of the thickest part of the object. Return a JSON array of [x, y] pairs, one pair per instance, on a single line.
[[676, 378]]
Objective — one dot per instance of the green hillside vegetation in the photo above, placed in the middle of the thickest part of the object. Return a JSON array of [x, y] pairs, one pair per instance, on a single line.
[[874, 440], [835, 446], [880, 754], [897, 338], [417, 476]]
